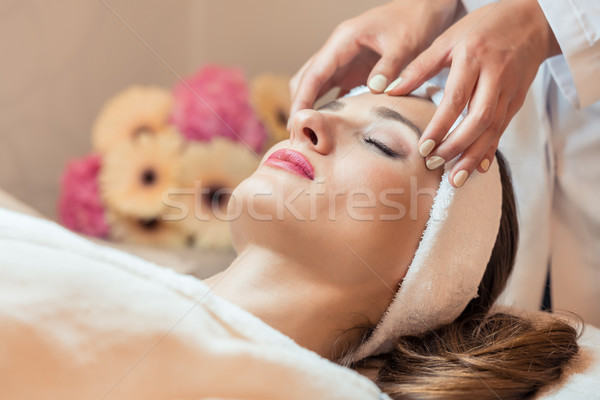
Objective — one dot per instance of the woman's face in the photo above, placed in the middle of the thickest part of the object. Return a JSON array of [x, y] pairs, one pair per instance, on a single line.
[[348, 195]]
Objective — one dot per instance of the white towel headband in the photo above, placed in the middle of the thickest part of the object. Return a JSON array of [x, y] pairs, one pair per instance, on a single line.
[[452, 256]]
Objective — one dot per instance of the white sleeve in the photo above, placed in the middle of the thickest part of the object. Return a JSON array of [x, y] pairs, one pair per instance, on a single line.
[[472, 5], [576, 25]]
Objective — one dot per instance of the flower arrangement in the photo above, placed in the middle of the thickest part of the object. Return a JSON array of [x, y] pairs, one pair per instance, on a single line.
[[270, 96], [155, 148], [215, 103], [80, 207]]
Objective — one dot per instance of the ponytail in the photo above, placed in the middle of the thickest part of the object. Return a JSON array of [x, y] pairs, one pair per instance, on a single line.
[[480, 357]]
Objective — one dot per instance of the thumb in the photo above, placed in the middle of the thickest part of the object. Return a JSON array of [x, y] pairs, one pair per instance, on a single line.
[[427, 64], [385, 71]]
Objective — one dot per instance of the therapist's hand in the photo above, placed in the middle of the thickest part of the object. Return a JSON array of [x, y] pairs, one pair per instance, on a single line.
[[373, 47], [493, 53]]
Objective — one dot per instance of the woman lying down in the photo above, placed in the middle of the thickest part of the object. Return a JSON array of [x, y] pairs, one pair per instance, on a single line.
[[352, 255]]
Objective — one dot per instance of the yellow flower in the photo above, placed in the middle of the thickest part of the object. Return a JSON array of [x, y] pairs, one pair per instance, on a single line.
[[153, 231], [270, 97], [136, 174], [133, 111], [210, 172]]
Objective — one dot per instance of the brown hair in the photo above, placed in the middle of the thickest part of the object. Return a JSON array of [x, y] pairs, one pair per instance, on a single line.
[[480, 355]]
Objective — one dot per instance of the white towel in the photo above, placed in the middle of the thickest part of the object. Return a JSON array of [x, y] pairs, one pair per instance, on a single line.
[[78, 321], [452, 256]]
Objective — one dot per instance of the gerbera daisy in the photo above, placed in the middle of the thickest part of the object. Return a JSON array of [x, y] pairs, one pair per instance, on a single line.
[[210, 172], [137, 174], [135, 110], [270, 96], [153, 231]]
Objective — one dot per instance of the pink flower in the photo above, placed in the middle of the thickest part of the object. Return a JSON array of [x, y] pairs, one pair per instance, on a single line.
[[215, 103], [79, 205]]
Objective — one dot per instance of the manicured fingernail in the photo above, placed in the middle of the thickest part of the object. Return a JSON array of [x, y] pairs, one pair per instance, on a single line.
[[460, 178], [378, 83], [435, 162], [485, 164], [393, 85], [426, 147]]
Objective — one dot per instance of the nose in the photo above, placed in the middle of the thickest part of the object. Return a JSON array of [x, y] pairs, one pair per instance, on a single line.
[[309, 127]]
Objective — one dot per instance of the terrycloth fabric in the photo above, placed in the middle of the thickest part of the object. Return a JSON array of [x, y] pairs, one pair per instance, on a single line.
[[82, 321], [451, 258]]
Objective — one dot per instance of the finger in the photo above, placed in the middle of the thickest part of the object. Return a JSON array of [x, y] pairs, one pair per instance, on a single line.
[[514, 105], [485, 109], [388, 68], [311, 83], [511, 109], [295, 80], [300, 105], [487, 159], [459, 88], [480, 153], [339, 50], [485, 162], [426, 65], [342, 93], [308, 102], [472, 158]]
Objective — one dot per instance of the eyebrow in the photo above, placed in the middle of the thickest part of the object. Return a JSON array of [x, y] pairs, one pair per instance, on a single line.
[[381, 111], [334, 105], [388, 113]]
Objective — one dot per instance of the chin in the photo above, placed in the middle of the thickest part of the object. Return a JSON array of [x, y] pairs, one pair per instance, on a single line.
[[252, 209], [258, 216]]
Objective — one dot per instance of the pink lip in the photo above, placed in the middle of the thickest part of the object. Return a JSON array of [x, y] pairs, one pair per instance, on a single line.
[[292, 161]]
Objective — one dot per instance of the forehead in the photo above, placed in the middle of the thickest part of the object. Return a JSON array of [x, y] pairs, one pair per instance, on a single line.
[[418, 110]]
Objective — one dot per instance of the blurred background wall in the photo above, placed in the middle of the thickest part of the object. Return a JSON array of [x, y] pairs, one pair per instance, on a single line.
[[62, 60]]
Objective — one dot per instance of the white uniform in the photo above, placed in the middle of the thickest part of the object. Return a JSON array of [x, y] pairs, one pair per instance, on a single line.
[[553, 147]]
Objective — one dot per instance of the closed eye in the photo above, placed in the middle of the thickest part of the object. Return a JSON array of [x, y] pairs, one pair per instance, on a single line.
[[382, 147]]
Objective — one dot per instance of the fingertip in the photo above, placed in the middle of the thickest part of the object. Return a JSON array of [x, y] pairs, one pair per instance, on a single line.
[[342, 93], [297, 106], [378, 83], [293, 111], [488, 157], [402, 86], [484, 165], [434, 162], [289, 121], [426, 147], [459, 178], [393, 85]]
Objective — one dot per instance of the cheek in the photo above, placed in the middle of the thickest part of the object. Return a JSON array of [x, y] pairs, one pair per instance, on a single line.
[[383, 210], [370, 190]]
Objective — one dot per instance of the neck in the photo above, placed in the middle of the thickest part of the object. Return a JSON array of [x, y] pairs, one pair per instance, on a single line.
[[321, 316]]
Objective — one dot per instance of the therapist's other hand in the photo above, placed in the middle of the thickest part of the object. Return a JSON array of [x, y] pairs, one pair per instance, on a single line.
[[373, 47], [493, 53]]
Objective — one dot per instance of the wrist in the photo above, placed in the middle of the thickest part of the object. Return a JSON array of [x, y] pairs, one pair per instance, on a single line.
[[445, 10], [447, 7], [547, 37]]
